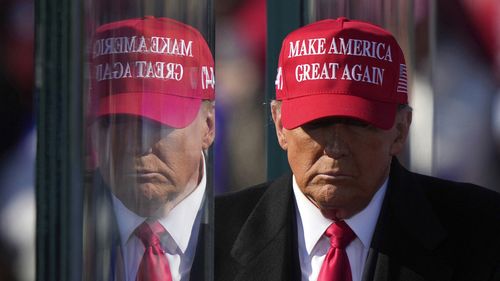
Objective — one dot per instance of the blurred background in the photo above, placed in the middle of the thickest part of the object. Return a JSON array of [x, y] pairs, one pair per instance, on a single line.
[[455, 52]]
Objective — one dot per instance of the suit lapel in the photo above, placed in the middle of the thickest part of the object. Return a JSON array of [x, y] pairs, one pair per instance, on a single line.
[[117, 269], [266, 245], [407, 235], [202, 267]]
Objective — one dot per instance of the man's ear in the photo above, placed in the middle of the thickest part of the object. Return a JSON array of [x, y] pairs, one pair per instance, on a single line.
[[209, 125], [402, 128], [276, 113]]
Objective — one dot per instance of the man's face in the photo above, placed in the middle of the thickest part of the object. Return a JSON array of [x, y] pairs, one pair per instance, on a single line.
[[151, 167], [339, 163]]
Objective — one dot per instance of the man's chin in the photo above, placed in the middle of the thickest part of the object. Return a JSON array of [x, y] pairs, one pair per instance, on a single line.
[[335, 209], [341, 209], [335, 214], [142, 206], [147, 210], [147, 200]]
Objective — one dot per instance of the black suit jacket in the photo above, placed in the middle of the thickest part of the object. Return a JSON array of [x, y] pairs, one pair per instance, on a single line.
[[428, 229], [103, 259]]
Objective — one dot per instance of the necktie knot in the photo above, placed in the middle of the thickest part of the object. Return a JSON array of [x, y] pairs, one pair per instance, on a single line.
[[340, 234], [149, 234]]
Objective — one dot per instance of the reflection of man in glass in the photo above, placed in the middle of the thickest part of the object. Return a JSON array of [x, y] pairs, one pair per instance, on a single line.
[[153, 91]]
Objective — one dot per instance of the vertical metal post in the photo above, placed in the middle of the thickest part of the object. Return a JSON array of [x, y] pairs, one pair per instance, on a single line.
[[283, 16], [59, 52]]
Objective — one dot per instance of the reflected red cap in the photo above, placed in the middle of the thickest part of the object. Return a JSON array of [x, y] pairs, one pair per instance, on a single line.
[[156, 68], [343, 68]]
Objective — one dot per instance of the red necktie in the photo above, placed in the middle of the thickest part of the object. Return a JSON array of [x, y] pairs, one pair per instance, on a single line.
[[154, 265], [336, 265]]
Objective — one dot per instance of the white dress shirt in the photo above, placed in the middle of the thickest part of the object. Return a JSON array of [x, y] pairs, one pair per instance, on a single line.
[[313, 244], [182, 225]]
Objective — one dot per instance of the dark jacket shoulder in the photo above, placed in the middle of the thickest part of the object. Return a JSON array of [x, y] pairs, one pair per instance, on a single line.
[[465, 202], [454, 224], [239, 203], [233, 209], [459, 193], [254, 236]]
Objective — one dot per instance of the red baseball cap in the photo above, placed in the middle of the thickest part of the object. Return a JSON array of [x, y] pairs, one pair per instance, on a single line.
[[156, 68], [343, 68]]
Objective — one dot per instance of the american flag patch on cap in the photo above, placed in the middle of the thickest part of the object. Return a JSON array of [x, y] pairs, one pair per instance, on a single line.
[[403, 79]]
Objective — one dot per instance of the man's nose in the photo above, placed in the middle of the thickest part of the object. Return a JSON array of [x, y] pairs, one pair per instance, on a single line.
[[336, 145], [144, 144], [137, 140]]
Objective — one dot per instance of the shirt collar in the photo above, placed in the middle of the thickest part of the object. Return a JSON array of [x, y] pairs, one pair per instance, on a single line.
[[314, 223], [179, 222]]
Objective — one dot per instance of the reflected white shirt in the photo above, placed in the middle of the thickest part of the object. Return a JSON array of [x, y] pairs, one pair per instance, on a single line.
[[182, 225], [313, 244]]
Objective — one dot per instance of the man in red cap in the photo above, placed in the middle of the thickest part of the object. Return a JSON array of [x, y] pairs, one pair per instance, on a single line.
[[349, 211], [152, 90]]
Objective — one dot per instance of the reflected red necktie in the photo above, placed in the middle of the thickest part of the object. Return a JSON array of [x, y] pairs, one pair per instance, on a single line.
[[154, 265], [336, 265]]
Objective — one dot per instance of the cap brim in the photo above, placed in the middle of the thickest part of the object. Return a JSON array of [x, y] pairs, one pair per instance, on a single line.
[[298, 111], [170, 110]]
